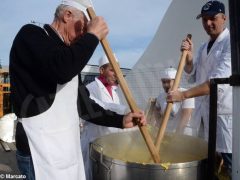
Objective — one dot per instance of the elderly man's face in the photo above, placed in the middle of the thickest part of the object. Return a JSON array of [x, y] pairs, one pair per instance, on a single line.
[[214, 25], [167, 84], [77, 26]]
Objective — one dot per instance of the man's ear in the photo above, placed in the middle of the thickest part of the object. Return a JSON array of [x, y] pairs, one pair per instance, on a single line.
[[101, 70], [224, 17], [67, 15]]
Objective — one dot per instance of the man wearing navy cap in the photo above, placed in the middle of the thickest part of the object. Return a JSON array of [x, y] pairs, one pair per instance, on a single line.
[[212, 8], [213, 61]]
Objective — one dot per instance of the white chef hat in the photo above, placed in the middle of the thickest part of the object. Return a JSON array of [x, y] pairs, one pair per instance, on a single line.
[[104, 60], [169, 73], [81, 5]]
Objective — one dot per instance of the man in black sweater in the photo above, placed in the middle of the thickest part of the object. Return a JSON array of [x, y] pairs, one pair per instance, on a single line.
[[48, 95]]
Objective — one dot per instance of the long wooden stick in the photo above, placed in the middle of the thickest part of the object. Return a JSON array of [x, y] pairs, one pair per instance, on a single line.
[[132, 104], [170, 104]]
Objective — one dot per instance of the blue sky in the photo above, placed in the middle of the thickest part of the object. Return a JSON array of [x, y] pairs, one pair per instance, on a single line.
[[132, 24]]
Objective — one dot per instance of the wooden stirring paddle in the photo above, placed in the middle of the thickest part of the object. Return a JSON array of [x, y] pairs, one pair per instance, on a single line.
[[170, 104], [132, 104]]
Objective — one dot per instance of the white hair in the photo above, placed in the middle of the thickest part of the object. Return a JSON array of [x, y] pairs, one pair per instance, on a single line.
[[60, 11]]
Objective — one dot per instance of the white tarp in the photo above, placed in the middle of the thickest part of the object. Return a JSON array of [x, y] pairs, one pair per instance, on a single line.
[[7, 127]]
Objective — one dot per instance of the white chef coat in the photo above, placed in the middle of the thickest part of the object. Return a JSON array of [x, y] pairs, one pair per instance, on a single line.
[[175, 114], [215, 64], [100, 95]]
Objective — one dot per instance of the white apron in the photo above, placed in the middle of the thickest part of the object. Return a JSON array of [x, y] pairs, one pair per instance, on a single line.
[[54, 137]]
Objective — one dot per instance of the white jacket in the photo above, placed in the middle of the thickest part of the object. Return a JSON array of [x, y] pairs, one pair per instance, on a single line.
[[100, 95], [215, 64]]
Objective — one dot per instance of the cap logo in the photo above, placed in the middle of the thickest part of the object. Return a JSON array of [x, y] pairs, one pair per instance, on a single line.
[[207, 6], [212, 8]]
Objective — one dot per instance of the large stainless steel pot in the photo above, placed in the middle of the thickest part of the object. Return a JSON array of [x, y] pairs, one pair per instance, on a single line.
[[124, 156]]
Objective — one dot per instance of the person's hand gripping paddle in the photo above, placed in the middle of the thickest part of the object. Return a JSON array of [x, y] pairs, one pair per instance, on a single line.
[[170, 104]]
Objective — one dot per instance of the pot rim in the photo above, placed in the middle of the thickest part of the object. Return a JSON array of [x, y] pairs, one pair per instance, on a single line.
[[181, 165]]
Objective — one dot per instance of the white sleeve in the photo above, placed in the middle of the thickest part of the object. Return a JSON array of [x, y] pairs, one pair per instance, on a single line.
[[117, 108], [157, 103], [188, 103], [191, 77], [161, 99]]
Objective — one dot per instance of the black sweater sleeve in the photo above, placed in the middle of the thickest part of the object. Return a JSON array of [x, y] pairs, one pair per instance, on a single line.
[[89, 110]]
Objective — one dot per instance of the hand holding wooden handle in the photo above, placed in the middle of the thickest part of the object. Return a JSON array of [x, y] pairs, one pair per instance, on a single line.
[[170, 104]]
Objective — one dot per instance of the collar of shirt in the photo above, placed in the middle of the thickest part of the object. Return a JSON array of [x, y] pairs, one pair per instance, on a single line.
[[106, 84], [51, 33]]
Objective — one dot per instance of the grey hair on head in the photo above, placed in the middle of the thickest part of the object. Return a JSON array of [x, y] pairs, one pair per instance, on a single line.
[[60, 11]]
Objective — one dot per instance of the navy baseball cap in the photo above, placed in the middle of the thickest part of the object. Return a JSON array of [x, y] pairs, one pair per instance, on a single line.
[[211, 8]]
